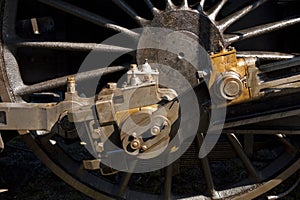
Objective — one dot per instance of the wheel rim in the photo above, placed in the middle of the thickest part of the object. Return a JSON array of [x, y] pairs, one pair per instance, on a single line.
[[17, 90]]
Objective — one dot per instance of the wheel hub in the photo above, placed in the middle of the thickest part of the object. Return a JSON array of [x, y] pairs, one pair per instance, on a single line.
[[184, 54], [193, 23]]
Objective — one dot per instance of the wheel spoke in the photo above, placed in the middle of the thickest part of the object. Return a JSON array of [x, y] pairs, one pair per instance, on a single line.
[[242, 155], [264, 131], [153, 9], [202, 2], [265, 55], [72, 46], [185, 4], [226, 22], [126, 179], [125, 7], [289, 147], [169, 5], [213, 12], [168, 182], [280, 65], [206, 169], [58, 82], [124, 184], [259, 30], [89, 16]]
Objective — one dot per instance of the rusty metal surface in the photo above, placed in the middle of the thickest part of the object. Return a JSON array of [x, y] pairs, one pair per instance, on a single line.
[[204, 26]]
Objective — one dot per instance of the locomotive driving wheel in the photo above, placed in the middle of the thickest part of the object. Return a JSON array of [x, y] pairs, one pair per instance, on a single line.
[[45, 41]]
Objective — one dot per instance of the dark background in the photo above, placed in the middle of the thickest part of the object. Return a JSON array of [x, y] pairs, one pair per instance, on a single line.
[[26, 177]]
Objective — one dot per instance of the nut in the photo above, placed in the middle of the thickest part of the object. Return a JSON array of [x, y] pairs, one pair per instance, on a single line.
[[155, 130], [135, 144]]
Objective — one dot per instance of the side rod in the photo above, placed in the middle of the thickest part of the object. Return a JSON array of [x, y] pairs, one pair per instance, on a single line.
[[43, 116]]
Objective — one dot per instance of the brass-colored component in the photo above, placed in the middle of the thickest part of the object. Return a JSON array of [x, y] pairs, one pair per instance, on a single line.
[[228, 76], [71, 88], [135, 144], [134, 109], [123, 114]]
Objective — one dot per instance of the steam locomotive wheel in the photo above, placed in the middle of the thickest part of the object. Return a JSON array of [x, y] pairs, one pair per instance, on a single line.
[[44, 41]]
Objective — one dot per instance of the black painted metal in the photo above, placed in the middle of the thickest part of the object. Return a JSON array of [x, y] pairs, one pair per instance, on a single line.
[[177, 18]]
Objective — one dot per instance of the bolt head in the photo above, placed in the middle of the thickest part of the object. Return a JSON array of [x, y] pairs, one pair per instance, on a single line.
[[135, 144], [144, 147], [232, 88], [155, 130]]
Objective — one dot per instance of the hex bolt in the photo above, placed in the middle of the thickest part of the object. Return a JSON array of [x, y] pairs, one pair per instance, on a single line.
[[135, 144], [181, 56], [232, 88], [155, 130]]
